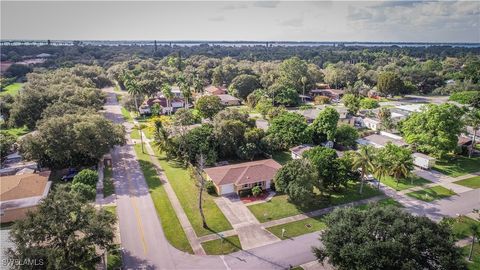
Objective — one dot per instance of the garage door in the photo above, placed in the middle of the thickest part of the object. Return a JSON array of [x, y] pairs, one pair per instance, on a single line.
[[227, 189]]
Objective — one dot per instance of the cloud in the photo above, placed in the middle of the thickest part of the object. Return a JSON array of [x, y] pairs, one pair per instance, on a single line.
[[295, 22], [217, 19], [266, 4], [233, 6]]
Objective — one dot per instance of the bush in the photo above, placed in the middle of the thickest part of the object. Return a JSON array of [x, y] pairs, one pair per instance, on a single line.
[[87, 177], [369, 103], [464, 97], [84, 190], [245, 192], [320, 100], [210, 187], [256, 190]]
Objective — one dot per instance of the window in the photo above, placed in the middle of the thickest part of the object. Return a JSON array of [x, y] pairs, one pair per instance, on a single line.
[[245, 186]]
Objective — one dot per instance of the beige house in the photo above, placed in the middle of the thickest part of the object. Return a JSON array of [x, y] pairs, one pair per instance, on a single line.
[[21, 193], [236, 177]]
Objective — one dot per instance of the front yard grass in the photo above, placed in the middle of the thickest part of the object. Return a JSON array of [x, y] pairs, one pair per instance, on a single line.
[[404, 183], [126, 115], [218, 247], [458, 165], [297, 228], [187, 192], [108, 187], [170, 224], [475, 263], [473, 182], [432, 193], [280, 207], [461, 227], [382, 203], [135, 134]]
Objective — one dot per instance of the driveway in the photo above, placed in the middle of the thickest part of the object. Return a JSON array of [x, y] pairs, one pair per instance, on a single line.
[[249, 230]]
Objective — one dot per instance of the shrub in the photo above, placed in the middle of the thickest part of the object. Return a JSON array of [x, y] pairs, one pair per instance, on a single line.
[[464, 97], [84, 190], [369, 103], [256, 190], [320, 100], [245, 192], [210, 187], [87, 177]]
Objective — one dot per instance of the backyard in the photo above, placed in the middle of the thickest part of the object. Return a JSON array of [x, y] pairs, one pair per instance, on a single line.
[[187, 192], [404, 183], [280, 207], [12, 89], [432, 193], [282, 157], [170, 224], [458, 165]]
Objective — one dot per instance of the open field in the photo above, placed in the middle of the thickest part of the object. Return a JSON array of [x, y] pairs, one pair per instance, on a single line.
[[473, 182], [458, 166], [170, 224], [432, 193], [279, 206], [227, 245], [404, 183], [12, 89], [187, 192]]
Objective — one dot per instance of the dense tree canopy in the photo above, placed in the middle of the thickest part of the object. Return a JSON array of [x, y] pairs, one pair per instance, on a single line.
[[243, 85], [208, 106], [387, 238], [290, 129], [64, 232], [297, 179], [434, 130], [71, 140], [325, 125], [390, 83]]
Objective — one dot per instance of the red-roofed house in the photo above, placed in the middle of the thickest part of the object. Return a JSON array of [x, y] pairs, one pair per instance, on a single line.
[[243, 176], [215, 90]]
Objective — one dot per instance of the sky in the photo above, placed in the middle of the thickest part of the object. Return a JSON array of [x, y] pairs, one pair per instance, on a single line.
[[389, 21]]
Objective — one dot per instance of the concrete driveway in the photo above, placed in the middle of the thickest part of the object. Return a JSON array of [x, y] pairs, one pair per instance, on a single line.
[[250, 232]]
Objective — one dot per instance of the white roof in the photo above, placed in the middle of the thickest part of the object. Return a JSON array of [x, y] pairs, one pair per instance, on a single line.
[[423, 156], [411, 107]]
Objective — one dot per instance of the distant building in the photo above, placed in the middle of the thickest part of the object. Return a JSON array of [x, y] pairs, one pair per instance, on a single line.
[[147, 105], [229, 100], [380, 140], [297, 151], [22, 193], [215, 90], [334, 94], [243, 176]]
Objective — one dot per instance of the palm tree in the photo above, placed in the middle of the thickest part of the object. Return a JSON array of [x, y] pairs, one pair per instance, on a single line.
[[380, 167], [472, 118], [475, 229], [132, 87], [400, 170], [363, 160], [185, 88], [167, 93], [197, 85], [304, 81]]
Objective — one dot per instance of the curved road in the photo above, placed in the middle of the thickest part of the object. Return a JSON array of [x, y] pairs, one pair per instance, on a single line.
[[143, 241]]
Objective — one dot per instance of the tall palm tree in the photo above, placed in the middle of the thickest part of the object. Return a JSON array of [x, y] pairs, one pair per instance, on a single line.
[[167, 93], [304, 81], [185, 89], [363, 160], [400, 170], [133, 87], [472, 118], [380, 168]]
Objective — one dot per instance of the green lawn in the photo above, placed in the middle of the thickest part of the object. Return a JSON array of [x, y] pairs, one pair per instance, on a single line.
[[227, 245], [18, 131], [473, 182], [126, 115], [457, 166], [461, 226], [297, 228], [108, 187], [170, 224], [12, 89], [475, 263], [135, 134], [431, 193], [282, 157], [279, 206], [404, 183], [187, 192]]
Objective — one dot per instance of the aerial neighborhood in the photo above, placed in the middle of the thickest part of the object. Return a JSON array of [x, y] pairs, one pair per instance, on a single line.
[[211, 155]]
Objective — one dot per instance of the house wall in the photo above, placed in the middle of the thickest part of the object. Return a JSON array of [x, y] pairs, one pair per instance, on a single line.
[[9, 215]]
